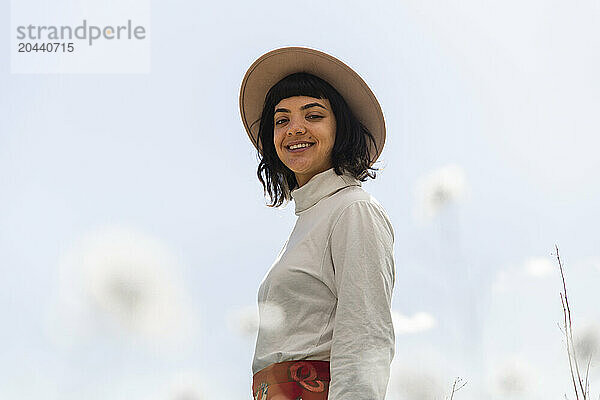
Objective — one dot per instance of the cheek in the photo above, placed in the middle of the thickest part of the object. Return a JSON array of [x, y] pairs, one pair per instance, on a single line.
[[332, 134], [277, 137]]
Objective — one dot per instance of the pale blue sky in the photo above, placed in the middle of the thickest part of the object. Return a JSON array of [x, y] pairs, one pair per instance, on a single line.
[[506, 91]]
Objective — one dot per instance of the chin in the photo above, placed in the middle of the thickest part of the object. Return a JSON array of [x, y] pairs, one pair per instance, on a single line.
[[303, 170]]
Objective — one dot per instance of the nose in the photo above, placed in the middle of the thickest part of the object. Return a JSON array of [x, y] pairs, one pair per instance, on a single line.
[[296, 126]]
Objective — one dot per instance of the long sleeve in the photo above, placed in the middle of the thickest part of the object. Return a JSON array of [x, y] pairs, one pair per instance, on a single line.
[[363, 342]]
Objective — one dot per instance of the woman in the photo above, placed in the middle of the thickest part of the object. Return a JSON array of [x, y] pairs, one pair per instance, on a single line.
[[325, 305]]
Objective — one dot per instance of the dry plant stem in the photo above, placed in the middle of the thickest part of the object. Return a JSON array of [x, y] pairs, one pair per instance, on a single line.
[[569, 350], [587, 382], [569, 334], [455, 389]]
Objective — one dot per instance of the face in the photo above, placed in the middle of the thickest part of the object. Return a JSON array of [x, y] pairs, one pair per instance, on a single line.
[[309, 121]]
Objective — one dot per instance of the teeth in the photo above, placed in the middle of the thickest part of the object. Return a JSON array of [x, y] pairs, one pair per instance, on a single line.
[[299, 146]]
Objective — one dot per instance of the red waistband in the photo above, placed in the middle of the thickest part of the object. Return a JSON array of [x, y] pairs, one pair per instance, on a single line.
[[302, 371]]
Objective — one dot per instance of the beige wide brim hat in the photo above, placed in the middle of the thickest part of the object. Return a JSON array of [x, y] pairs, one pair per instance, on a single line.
[[275, 65]]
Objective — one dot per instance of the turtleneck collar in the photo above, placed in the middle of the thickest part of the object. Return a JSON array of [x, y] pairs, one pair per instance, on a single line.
[[320, 186]]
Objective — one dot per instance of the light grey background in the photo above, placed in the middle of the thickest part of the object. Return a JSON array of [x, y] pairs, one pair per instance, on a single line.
[[157, 169]]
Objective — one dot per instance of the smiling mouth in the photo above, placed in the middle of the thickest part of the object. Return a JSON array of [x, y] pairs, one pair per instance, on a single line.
[[302, 147]]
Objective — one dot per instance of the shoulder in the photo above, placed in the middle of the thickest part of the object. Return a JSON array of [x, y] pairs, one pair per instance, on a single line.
[[356, 206], [355, 197]]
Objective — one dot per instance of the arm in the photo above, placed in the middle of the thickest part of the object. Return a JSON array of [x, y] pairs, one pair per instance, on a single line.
[[363, 344]]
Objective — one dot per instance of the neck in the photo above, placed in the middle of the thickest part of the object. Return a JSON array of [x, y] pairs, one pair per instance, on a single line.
[[303, 178]]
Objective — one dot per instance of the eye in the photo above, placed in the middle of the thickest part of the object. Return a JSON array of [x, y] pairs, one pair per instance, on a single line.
[[280, 120], [315, 116]]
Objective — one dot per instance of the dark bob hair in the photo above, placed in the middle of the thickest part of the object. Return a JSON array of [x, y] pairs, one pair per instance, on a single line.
[[350, 151]]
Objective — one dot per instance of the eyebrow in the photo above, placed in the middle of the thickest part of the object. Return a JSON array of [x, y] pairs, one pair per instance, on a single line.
[[304, 107]]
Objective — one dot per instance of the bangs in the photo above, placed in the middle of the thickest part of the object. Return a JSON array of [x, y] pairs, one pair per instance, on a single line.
[[298, 84]]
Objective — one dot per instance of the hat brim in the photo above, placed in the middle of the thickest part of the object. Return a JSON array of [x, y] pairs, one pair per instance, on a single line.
[[275, 65]]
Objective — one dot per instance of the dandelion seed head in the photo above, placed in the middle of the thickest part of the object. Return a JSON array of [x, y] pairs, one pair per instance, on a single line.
[[439, 188], [187, 385], [514, 376], [271, 315], [587, 343], [417, 385], [243, 320], [124, 280]]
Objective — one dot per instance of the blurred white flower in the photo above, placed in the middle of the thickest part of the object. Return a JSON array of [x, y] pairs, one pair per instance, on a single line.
[[539, 266], [515, 376], [187, 386], [587, 343], [437, 189], [245, 320], [415, 384], [118, 276], [271, 315], [419, 322], [178, 385], [511, 381]]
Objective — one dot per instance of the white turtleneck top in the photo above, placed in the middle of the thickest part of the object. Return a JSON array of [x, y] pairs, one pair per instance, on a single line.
[[328, 294]]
